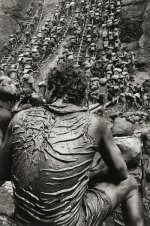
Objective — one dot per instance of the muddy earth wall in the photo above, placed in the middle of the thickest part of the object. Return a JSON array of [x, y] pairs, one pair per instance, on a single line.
[[11, 12], [135, 28]]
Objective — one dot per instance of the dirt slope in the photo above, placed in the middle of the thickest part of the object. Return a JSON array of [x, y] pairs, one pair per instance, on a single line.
[[135, 26], [11, 11]]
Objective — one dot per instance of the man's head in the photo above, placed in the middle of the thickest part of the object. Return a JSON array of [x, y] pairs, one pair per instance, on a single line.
[[68, 83]]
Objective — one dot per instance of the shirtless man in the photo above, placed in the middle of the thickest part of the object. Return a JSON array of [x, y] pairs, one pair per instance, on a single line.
[[48, 154]]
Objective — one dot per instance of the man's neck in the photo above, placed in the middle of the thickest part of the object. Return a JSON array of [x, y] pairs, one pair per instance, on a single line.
[[62, 107]]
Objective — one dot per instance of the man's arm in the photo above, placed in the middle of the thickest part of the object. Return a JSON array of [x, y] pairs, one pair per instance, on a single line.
[[5, 157], [112, 155]]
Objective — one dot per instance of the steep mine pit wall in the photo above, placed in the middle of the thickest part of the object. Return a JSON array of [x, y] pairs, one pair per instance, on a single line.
[[135, 34], [7, 26], [15, 7], [132, 17], [11, 13], [144, 42], [135, 30]]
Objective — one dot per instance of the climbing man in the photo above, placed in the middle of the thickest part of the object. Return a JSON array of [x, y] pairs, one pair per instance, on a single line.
[[48, 154]]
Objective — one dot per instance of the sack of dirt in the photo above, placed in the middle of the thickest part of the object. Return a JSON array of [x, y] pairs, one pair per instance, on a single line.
[[122, 127], [131, 148]]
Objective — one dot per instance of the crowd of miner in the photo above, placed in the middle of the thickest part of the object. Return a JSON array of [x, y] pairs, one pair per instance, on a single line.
[[21, 75], [110, 70], [109, 67]]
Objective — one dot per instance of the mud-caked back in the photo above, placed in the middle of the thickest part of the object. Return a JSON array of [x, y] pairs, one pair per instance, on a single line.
[[51, 159]]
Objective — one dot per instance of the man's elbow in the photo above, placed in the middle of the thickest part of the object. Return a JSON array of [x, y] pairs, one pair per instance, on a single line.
[[122, 173], [121, 168]]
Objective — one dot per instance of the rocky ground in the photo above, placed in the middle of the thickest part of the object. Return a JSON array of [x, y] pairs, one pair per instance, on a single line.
[[136, 35]]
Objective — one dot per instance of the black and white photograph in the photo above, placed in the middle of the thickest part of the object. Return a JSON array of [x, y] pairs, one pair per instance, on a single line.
[[74, 112]]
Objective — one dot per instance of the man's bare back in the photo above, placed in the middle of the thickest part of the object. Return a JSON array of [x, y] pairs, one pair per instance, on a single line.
[[48, 153], [52, 151]]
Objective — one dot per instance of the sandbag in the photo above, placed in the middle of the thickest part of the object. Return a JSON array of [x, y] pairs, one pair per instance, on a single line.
[[122, 127], [131, 148]]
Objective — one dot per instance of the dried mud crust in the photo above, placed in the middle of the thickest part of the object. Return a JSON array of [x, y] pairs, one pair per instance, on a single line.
[[7, 208]]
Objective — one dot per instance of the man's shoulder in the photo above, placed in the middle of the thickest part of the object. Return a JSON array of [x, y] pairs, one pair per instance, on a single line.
[[31, 114], [98, 119], [99, 123]]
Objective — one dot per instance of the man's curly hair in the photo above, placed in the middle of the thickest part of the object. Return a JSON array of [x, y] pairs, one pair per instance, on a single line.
[[69, 82]]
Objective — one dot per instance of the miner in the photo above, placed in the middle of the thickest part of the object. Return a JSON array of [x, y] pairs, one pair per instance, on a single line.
[[48, 154]]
